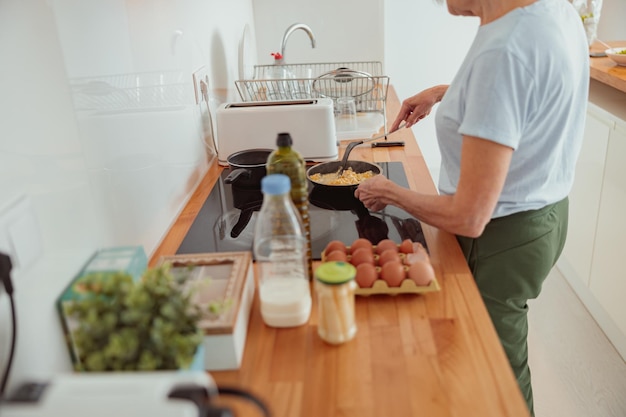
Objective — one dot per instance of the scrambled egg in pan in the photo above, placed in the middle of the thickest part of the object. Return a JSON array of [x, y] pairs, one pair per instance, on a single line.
[[347, 177]]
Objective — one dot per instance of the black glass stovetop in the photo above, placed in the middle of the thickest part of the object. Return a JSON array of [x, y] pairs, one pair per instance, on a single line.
[[226, 220]]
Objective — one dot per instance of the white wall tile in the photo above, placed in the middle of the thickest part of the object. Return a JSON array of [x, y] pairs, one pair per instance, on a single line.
[[347, 30]]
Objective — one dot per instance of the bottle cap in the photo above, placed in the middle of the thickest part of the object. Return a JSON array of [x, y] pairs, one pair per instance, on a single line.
[[335, 272], [284, 139], [275, 184]]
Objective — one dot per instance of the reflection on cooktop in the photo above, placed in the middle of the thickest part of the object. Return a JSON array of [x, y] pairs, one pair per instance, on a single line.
[[226, 220]]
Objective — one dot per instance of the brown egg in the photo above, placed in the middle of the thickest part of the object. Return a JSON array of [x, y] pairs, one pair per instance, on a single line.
[[362, 255], [421, 272], [412, 258], [385, 244], [360, 243], [334, 245], [419, 255], [336, 255], [366, 275], [417, 247], [387, 256], [393, 273], [406, 246]]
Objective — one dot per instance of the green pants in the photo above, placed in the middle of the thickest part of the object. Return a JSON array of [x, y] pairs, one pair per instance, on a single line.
[[510, 261]]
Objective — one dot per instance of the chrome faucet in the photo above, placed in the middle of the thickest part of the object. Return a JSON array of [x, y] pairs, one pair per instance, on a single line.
[[292, 29]]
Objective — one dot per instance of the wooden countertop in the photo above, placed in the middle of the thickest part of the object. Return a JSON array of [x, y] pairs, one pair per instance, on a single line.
[[607, 71], [434, 355]]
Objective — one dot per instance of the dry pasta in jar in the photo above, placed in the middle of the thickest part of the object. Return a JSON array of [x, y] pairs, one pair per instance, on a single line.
[[335, 288]]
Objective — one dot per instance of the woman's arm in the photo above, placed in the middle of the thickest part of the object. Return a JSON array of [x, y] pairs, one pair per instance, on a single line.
[[484, 166], [417, 107]]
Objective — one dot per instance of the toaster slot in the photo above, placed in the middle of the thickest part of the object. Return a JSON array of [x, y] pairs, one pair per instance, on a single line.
[[270, 103]]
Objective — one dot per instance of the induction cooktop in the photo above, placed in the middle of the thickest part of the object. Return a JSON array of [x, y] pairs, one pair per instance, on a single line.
[[225, 223]]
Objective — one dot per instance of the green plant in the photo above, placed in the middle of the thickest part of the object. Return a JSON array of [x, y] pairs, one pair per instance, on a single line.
[[121, 325], [586, 16]]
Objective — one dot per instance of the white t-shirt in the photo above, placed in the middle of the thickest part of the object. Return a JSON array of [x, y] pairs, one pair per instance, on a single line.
[[524, 84]]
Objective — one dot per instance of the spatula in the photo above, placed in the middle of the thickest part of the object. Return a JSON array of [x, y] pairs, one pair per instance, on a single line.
[[352, 145]]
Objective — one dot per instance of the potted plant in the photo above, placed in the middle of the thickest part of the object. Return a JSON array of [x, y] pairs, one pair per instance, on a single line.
[[589, 11], [118, 324]]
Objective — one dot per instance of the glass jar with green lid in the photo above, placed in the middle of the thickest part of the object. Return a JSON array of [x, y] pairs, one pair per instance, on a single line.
[[335, 286]]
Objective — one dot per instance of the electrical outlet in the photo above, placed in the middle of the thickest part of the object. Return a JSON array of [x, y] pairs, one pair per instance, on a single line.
[[200, 75], [20, 236]]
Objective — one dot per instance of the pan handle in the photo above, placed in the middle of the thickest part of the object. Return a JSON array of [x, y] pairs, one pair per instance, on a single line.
[[242, 222], [235, 174], [344, 160]]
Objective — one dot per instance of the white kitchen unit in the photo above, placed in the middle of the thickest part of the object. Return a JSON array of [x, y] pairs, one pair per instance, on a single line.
[[593, 258], [585, 196], [608, 278]]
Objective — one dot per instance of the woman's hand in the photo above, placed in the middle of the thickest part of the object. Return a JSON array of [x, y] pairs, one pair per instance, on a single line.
[[419, 106], [372, 192]]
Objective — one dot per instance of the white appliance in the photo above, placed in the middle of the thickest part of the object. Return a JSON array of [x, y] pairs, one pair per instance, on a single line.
[[255, 125], [119, 394]]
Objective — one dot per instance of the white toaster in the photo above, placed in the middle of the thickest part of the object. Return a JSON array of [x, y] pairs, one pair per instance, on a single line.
[[255, 125]]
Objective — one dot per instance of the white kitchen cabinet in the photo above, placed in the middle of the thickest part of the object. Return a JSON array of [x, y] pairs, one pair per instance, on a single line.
[[585, 198], [593, 257], [608, 275]]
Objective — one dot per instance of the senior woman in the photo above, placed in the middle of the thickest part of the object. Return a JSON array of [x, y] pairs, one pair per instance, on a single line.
[[509, 128]]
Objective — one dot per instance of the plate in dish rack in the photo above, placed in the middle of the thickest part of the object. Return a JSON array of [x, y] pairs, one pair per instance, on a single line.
[[247, 54]]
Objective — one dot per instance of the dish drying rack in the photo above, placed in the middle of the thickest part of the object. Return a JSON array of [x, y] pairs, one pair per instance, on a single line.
[[362, 80], [132, 91]]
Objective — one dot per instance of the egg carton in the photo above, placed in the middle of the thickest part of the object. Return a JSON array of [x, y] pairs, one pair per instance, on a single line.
[[380, 286], [408, 286]]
